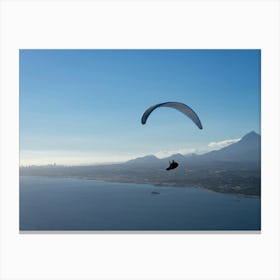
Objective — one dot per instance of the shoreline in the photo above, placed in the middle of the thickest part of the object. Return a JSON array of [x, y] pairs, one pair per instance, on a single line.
[[148, 183]]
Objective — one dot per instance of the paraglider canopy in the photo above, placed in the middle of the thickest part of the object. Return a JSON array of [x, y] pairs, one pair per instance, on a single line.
[[183, 108]]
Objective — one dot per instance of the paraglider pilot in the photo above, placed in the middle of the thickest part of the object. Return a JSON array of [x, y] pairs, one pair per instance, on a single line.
[[172, 165]]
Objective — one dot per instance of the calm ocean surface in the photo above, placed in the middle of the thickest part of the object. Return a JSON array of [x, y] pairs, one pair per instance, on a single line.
[[78, 204]]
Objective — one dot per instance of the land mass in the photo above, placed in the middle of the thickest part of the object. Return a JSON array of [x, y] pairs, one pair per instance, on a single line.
[[233, 169]]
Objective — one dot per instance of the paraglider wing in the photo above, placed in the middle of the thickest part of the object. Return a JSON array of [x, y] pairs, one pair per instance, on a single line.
[[176, 105]]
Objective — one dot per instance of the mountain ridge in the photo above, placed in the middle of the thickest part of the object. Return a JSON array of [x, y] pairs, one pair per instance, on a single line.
[[247, 149], [232, 169]]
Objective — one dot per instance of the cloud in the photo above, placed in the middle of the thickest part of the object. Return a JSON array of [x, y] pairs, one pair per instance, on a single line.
[[222, 144]]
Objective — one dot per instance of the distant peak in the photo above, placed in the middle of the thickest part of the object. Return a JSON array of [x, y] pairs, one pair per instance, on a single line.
[[251, 134], [177, 155], [144, 159], [149, 156]]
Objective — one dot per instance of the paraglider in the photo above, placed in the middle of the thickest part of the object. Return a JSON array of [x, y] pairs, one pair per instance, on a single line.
[[181, 107], [172, 165]]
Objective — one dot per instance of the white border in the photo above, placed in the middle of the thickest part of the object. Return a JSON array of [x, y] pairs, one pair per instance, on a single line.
[[140, 24]]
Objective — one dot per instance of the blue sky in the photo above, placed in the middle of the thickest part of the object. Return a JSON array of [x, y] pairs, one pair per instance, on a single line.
[[85, 106]]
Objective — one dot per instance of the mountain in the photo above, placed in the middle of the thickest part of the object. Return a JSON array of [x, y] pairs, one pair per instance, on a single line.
[[248, 149], [233, 169], [176, 157], [150, 159]]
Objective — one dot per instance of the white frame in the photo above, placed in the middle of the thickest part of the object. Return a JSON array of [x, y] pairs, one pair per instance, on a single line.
[[140, 24]]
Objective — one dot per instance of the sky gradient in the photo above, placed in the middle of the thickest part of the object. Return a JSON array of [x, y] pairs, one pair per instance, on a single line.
[[85, 106]]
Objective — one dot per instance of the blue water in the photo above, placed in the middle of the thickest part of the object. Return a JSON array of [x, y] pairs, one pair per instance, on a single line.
[[79, 204]]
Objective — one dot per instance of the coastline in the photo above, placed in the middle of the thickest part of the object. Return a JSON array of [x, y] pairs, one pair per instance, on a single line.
[[199, 186]]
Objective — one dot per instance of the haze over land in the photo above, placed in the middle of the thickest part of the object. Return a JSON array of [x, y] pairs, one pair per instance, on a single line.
[[232, 169]]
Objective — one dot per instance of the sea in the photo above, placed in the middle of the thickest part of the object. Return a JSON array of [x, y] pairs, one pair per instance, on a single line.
[[67, 204]]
